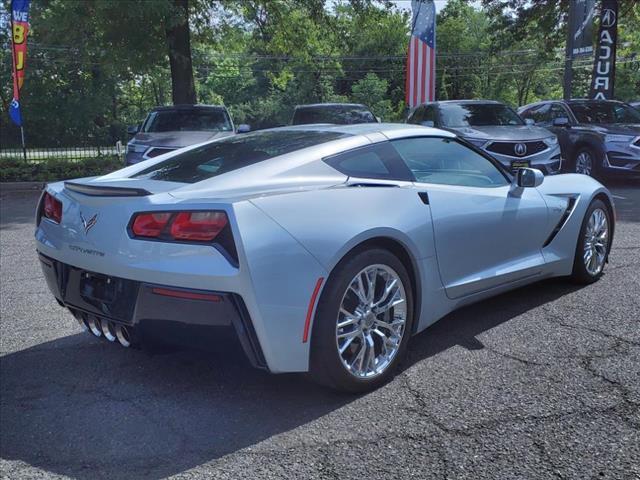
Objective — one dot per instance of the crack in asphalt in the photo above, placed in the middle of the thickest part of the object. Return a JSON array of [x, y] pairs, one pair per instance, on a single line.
[[558, 321], [516, 358]]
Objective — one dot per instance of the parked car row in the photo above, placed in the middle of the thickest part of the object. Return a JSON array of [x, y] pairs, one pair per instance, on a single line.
[[592, 137], [596, 136], [168, 128]]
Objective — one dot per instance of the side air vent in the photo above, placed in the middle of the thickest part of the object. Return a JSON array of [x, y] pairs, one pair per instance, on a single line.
[[105, 191], [563, 220]]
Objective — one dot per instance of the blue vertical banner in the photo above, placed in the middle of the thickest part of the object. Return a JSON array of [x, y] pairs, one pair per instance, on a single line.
[[19, 33]]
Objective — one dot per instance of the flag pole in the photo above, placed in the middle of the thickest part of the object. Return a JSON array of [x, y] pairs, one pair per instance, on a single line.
[[24, 147]]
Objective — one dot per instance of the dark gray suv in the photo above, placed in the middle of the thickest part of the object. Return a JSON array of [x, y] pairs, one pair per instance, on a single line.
[[495, 128], [168, 128], [597, 137], [338, 113]]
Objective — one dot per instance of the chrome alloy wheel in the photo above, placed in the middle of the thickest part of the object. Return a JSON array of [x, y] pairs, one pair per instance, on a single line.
[[584, 163], [371, 321], [596, 242]]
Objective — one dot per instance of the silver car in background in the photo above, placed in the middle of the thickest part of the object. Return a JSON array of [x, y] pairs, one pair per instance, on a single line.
[[168, 128], [495, 128]]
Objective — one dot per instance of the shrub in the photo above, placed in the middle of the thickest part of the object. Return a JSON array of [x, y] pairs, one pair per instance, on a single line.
[[53, 169]]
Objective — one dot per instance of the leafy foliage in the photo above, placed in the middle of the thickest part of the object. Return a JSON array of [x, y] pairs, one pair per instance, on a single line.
[[98, 65], [49, 170]]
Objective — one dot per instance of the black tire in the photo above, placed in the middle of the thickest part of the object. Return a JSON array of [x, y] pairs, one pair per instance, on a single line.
[[326, 366], [594, 160], [580, 273]]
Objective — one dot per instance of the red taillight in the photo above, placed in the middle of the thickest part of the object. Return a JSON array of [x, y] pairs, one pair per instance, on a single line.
[[150, 224], [198, 226], [181, 226], [52, 208]]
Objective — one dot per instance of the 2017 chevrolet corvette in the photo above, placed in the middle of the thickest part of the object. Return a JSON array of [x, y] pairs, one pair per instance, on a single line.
[[324, 248]]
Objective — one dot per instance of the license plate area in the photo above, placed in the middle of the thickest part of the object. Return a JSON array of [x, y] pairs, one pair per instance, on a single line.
[[516, 164], [97, 287]]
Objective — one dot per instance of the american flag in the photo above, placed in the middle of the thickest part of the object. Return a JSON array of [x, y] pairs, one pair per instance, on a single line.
[[421, 57]]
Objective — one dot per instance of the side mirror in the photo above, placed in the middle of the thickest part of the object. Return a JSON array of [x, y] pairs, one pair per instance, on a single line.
[[528, 178], [529, 121], [243, 128], [133, 129], [561, 122], [427, 123], [378, 119]]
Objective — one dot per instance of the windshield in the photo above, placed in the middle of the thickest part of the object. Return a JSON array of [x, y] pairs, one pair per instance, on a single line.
[[187, 120], [478, 115], [605, 112], [233, 153], [338, 114]]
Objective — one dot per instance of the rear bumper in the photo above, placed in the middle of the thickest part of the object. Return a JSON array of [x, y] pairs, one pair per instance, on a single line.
[[157, 313]]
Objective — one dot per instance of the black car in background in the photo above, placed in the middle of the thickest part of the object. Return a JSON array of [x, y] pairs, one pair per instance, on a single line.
[[168, 128], [495, 128], [597, 137], [338, 113]]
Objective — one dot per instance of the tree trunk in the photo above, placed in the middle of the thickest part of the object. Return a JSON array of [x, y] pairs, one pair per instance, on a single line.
[[179, 43]]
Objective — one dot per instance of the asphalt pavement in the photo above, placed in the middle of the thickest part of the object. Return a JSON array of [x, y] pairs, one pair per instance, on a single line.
[[542, 382]]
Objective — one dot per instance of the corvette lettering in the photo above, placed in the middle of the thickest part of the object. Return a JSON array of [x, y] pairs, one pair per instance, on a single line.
[[86, 251]]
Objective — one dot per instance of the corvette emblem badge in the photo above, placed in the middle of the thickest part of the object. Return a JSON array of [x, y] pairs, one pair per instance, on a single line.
[[88, 224]]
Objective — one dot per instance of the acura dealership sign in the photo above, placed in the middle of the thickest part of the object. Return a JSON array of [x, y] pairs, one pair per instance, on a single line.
[[604, 66], [581, 13]]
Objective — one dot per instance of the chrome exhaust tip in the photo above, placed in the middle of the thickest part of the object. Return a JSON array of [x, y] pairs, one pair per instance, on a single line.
[[123, 336], [80, 319], [95, 325], [109, 330]]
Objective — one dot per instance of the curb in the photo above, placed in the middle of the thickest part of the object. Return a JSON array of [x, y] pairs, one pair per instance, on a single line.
[[6, 187]]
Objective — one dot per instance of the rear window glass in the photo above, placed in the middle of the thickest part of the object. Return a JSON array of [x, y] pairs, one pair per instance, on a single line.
[[337, 114], [379, 161], [200, 120], [233, 153]]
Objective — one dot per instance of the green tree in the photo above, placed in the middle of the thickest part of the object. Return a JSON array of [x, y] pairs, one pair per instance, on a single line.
[[373, 91]]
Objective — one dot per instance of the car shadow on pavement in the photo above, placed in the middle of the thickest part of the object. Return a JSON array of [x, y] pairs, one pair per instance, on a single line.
[[463, 326], [81, 407]]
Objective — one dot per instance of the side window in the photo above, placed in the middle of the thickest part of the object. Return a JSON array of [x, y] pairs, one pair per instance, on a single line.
[[416, 117], [379, 161], [557, 111], [540, 114], [429, 115], [446, 161]]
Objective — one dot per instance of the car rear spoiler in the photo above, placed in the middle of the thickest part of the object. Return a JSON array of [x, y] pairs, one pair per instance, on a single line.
[[105, 191]]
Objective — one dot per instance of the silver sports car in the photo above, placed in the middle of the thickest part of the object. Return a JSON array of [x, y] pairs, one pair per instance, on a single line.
[[324, 249]]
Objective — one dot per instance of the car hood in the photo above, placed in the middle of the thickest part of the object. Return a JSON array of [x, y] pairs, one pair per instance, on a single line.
[[176, 139], [506, 132], [613, 128]]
